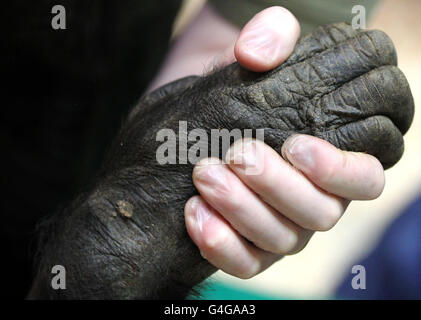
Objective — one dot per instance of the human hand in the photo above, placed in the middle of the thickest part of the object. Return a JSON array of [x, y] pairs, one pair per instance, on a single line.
[[243, 223]]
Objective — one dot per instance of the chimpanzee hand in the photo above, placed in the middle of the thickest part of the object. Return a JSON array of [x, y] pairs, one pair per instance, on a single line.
[[277, 210], [125, 237]]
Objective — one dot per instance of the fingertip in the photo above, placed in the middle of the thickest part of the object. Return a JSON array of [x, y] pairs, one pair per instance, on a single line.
[[190, 205], [190, 216], [300, 150], [198, 216], [379, 181], [350, 175], [267, 39]]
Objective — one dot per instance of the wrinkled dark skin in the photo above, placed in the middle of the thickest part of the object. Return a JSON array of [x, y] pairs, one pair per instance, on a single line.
[[339, 84]]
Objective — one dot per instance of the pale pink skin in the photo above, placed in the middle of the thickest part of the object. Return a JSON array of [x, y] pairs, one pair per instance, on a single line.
[[307, 189]]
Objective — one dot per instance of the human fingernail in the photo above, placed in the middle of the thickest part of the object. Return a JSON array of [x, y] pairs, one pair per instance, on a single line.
[[242, 154], [297, 150], [203, 214], [211, 173], [259, 40], [267, 39], [247, 155]]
